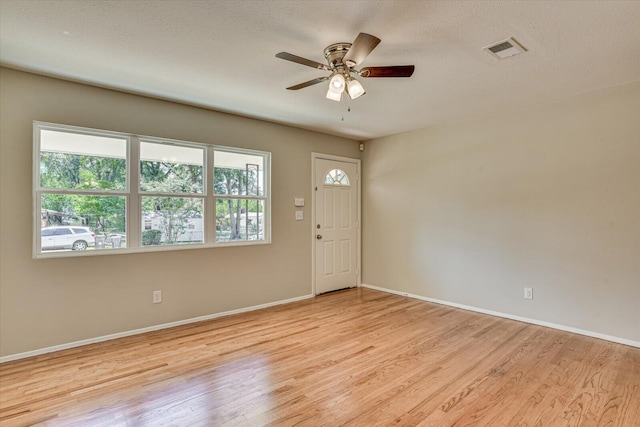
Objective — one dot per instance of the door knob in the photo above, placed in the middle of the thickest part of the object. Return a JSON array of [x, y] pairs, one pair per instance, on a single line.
[[318, 236]]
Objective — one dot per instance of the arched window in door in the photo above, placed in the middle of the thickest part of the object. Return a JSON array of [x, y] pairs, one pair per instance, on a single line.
[[336, 177]]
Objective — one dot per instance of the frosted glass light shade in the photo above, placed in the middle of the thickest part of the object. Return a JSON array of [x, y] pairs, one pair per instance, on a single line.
[[355, 89], [336, 87], [334, 96], [337, 83]]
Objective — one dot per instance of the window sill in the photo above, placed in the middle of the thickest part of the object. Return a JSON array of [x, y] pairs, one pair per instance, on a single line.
[[146, 249]]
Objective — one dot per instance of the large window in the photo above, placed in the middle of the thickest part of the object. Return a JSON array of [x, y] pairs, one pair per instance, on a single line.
[[105, 192]]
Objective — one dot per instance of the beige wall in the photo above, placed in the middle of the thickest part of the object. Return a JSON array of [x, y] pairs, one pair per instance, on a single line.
[[548, 197], [50, 302]]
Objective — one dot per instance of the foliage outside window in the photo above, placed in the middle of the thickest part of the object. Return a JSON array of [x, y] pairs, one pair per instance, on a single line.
[[173, 173], [83, 179], [240, 202]]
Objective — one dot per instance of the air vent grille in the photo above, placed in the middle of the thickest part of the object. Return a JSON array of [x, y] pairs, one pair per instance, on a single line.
[[500, 47], [505, 49]]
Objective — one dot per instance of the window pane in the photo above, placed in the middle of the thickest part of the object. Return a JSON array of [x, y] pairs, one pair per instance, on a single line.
[[239, 219], [171, 221], [336, 177], [70, 160], [238, 174], [166, 168], [81, 222]]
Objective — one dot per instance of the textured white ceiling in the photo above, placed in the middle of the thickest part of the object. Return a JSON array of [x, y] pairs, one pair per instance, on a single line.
[[221, 54]]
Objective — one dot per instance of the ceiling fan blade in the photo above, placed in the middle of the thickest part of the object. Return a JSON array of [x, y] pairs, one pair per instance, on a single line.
[[393, 71], [303, 61], [309, 83], [360, 48]]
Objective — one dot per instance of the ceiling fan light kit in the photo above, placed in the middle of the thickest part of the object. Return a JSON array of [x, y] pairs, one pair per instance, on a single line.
[[342, 58], [340, 83]]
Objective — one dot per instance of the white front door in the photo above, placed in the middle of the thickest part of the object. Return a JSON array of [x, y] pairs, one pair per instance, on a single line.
[[336, 225]]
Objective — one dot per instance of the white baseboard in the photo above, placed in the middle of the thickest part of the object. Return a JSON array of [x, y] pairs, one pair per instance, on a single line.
[[511, 316], [147, 329]]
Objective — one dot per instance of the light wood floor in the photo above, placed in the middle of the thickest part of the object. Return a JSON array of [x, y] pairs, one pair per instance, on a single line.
[[353, 358]]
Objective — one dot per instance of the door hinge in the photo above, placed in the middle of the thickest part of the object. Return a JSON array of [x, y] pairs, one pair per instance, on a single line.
[[316, 188]]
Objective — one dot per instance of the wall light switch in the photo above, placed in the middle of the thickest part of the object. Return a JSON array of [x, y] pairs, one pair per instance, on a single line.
[[299, 215], [298, 202]]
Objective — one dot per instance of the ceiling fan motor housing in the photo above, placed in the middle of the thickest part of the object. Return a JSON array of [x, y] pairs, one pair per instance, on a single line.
[[335, 53]]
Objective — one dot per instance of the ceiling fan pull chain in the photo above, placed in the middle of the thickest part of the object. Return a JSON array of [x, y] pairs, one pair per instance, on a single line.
[[345, 98]]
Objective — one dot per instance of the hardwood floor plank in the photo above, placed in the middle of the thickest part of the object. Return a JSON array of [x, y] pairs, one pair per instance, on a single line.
[[353, 358], [489, 396]]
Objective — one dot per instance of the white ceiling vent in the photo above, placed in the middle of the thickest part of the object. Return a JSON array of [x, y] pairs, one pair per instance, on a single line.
[[505, 49]]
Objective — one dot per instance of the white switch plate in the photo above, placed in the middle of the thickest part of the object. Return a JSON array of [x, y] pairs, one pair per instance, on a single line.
[[299, 215], [157, 297], [528, 293], [298, 202]]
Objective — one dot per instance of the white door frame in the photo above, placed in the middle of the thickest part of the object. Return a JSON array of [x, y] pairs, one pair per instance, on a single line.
[[357, 162]]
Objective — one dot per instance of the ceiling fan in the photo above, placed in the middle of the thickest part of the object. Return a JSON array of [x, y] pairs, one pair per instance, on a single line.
[[342, 59]]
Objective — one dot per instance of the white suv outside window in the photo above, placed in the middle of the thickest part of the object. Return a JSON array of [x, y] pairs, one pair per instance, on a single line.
[[67, 237]]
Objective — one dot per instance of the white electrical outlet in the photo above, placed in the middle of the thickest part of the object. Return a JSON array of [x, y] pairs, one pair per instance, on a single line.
[[528, 293], [157, 297]]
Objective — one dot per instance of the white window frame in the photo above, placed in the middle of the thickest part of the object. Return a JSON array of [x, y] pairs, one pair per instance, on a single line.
[[133, 194]]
